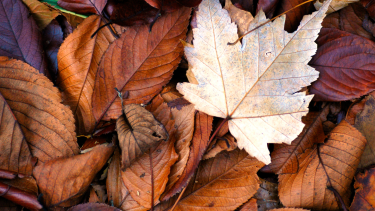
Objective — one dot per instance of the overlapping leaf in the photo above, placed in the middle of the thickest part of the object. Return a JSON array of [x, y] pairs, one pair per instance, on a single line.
[[46, 123], [78, 60], [83, 6], [140, 62], [254, 85], [364, 194], [42, 13]]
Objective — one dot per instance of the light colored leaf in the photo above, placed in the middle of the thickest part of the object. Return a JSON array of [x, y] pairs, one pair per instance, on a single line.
[[254, 84]]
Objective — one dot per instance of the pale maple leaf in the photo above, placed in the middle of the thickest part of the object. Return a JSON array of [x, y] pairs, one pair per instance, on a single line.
[[256, 83]]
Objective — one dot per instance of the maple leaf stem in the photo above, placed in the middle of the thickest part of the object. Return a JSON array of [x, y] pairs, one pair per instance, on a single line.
[[179, 197], [233, 43], [330, 187]]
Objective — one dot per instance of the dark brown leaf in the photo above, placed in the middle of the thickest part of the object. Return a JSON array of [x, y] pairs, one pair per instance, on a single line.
[[138, 131], [83, 6], [15, 152], [93, 207], [46, 123], [294, 17], [19, 35], [200, 142], [140, 62], [345, 63], [364, 193], [268, 6], [63, 181]]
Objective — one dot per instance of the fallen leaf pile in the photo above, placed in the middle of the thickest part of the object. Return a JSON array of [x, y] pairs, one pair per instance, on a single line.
[[187, 105]]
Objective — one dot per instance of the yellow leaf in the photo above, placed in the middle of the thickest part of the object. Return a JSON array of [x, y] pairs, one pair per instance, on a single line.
[[255, 84]]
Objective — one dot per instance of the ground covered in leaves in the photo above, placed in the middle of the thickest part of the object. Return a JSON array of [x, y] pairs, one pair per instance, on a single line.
[[187, 105]]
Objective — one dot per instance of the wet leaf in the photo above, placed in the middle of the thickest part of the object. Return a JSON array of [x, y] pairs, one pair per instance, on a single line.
[[46, 123], [140, 62], [19, 35], [340, 156], [78, 60], [65, 188]]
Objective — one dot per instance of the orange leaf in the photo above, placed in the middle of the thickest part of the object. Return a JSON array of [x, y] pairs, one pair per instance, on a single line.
[[340, 155], [64, 181], [140, 62], [47, 125]]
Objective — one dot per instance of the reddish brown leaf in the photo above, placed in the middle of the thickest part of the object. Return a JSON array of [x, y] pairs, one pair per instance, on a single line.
[[63, 181], [289, 209], [47, 125], [172, 5], [354, 109], [137, 178], [200, 141], [94, 141], [268, 6], [340, 156], [83, 6], [286, 158], [170, 93], [130, 12], [20, 197], [93, 198], [370, 7], [26, 184], [222, 183], [138, 131], [365, 123], [19, 35], [7, 205], [140, 62], [78, 60], [15, 152], [42, 13], [93, 207], [251, 205], [349, 19], [345, 63], [294, 17], [364, 193]]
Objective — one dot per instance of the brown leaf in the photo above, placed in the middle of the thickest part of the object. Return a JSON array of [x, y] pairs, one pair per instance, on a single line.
[[268, 6], [347, 76], [227, 143], [93, 198], [15, 152], [340, 157], [47, 125], [83, 6], [349, 19], [289, 209], [170, 93], [42, 13], [370, 7], [26, 184], [184, 124], [241, 17], [19, 35], [222, 183], [93, 207], [364, 193], [267, 196], [354, 109], [138, 131], [251, 205], [137, 178], [294, 17], [7, 205], [140, 62], [63, 181], [285, 157], [20, 197], [199, 144], [172, 5], [365, 123], [78, 60]]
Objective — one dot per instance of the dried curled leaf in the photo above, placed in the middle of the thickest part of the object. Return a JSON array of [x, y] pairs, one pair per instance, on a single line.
[[64, 181], [340, 156], [47, 124], [15, 152], [255, 84], [365, 191], [138, 132]]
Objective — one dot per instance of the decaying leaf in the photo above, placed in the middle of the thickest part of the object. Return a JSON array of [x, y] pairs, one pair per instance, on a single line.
[[63, 181], [254, 85], [15, 152], [78, 60], [340, 156], [46, 123], [138, 131], [285, 158], [42, 13], [19, 35], [137, 178], [210, 187], [344, 61], [140, 62], [267, 196], [365, 191], [335, 5], [365, 123]]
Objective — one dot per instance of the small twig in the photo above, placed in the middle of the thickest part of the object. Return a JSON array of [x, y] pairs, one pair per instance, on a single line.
[[152, 182], [229, 43], [179, 197], [330, 187]]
